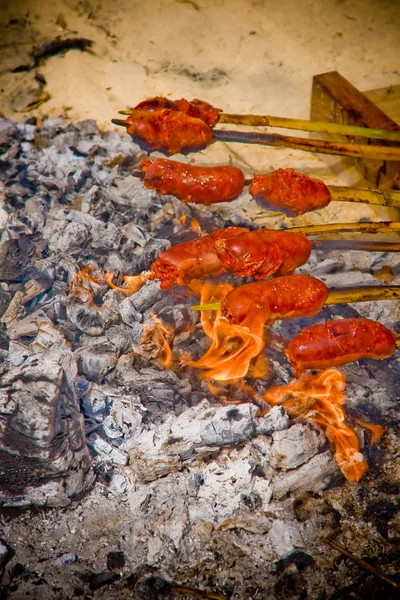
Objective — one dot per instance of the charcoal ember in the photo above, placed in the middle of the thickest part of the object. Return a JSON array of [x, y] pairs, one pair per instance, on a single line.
[[135, 235], [6, 553], [107, 451], [129, 191], [314, 476], [3, 216], [9, 135], [69, 239], [94, 401], [81, 229], [148, 254], [160, 391], [5, 299], [295, 446], [89, 317], [14, 256], [132, 307], [44, 458], [96, 358], [39, 327], [196, 432]]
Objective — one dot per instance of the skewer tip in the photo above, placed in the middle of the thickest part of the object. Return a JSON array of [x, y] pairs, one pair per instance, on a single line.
[[119, 122], [125, 112], [211, 306]]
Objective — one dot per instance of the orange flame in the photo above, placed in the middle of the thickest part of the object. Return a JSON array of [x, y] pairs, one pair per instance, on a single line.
[[133, 282], [320, 398], [232, 346], [80, 284], [159, 334]]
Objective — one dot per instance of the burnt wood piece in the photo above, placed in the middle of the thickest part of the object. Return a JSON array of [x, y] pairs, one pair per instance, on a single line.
[[335, 99]]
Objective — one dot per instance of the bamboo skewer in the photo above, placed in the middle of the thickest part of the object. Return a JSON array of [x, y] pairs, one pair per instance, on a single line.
[[366, 196], [309, 145], [362, 563], [359, 245], [302, 125], [343, 295], [363, 294], [305, 125], [376, 227]]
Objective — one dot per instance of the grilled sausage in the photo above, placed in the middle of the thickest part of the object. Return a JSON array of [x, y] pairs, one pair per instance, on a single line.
[[339, 342], [168, 131], [196, 108], [285, 297], [201, 185], [290, 192], [263, 252], [191, 260]]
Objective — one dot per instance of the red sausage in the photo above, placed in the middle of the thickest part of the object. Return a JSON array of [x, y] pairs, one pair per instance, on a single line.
[[264, 252], [201, 185], [191, 260], [196, 108], [168, 131], [290, 192], [284, 297], [339, 342]]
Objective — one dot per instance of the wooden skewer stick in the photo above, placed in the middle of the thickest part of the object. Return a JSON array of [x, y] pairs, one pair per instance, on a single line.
[[363, 294], [359, 245], [308, 145], [362, 563], [340, 295], [304, 125], [366, 196], [376, 227]]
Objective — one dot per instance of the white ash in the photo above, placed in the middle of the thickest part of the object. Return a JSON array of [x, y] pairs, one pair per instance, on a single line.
[[42, 433], [316, 475], [295, 446], [199, 431]]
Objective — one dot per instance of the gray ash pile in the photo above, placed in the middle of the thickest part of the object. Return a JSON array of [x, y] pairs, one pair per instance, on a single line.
[[156, 477]]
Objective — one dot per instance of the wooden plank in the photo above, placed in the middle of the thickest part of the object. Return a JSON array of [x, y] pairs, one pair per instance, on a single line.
[[335, 99], [388, 100]]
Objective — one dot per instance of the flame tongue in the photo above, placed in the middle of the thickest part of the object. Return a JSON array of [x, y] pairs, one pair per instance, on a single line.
[[232, 346], [320, 398]]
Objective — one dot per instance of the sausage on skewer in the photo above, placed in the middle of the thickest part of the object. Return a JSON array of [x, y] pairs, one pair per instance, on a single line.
[[196, 108], [286, 297], [339, 342], [190, 260], [242, 252], [189, 183], [290, 192], [168, 131]]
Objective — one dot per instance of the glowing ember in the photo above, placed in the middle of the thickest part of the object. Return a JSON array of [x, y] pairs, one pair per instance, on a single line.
[[80, 287], [133, 282], [232, 346], [320, 398]]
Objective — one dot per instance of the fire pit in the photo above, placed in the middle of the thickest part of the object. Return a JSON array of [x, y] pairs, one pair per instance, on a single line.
[[156, 481]]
